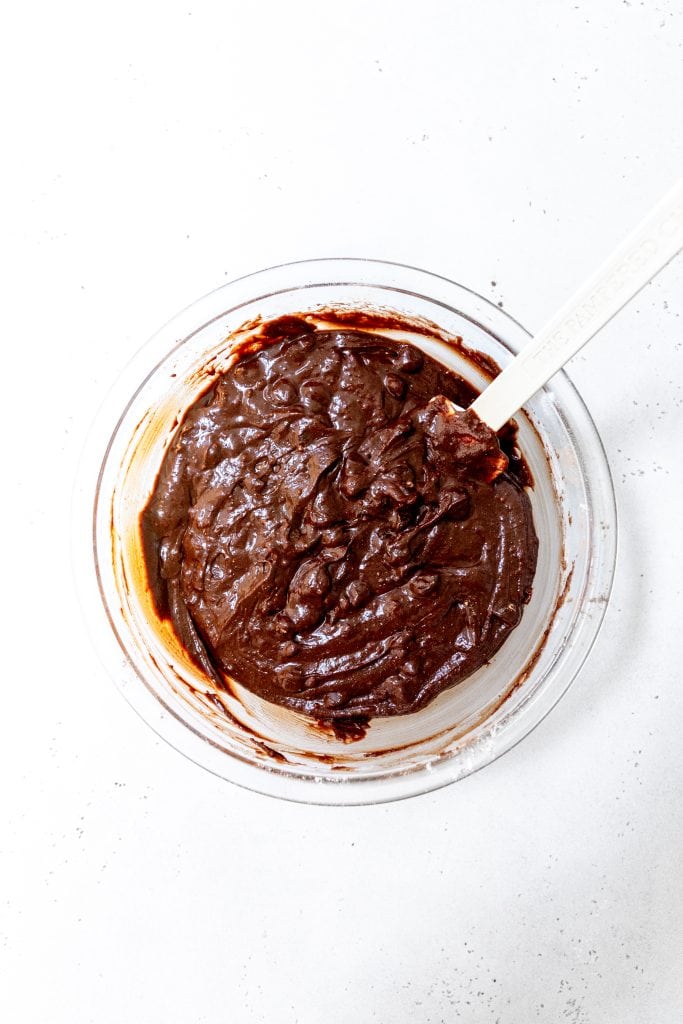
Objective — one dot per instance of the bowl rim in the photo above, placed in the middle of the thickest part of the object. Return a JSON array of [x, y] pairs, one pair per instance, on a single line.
[[179, 733]]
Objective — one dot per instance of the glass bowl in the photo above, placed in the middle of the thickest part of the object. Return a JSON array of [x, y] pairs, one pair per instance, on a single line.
[[268, 748]]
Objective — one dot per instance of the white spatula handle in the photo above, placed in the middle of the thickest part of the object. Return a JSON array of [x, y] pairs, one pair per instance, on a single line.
[[656, 240]]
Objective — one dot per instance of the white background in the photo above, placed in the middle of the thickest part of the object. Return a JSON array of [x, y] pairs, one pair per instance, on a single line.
[[154, 151]]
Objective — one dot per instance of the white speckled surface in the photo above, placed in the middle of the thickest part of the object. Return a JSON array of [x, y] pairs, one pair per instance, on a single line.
[[156, 151]]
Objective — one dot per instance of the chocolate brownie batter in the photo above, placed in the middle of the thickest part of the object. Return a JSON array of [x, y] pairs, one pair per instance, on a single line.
[[329, 531]]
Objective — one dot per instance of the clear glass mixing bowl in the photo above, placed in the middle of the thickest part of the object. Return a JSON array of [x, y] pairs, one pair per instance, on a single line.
[[267, 748]]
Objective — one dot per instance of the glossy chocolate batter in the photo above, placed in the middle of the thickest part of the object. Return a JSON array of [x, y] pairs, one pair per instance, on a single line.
[[330, 532]]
